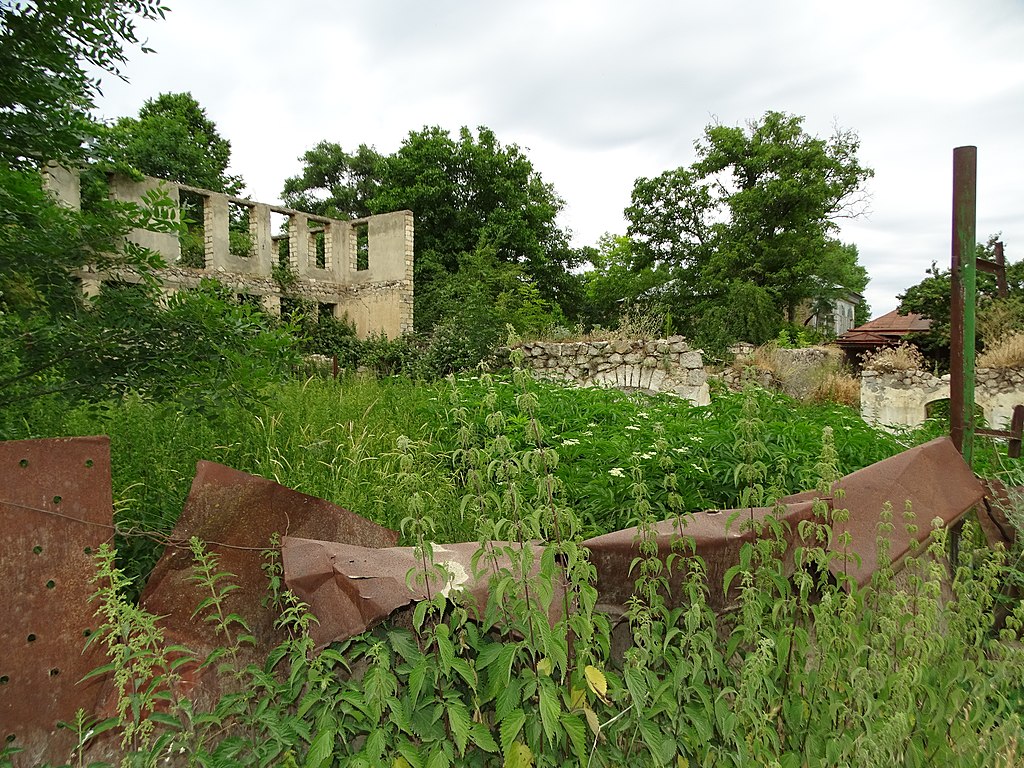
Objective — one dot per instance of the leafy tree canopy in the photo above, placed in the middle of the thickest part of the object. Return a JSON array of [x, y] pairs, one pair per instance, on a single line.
[[995, 316], [470, 194], [335, 183], [46, 47], [203, 348], [173, 139], [759, 206]]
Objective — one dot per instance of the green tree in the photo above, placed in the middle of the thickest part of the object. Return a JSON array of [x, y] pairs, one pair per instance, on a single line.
[[759, 205], [172, 139], [615, 287], [473, 198], [995, 316], [335, 183], [48, 51], [203, 349]]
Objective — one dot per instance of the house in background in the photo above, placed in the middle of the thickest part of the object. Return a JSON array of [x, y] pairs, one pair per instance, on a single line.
[[885, 331], [834, 317]]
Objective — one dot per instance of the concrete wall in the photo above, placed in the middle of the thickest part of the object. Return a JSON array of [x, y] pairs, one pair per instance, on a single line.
[[378, 299], [663, 365], [902, 397]]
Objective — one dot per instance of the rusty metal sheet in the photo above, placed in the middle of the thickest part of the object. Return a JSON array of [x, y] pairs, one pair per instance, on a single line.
[[933, 477], [718, 536], [350, 589], [236, 513], [56, 506]]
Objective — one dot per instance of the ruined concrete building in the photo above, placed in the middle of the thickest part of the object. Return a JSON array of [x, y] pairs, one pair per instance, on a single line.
[[360, 269]]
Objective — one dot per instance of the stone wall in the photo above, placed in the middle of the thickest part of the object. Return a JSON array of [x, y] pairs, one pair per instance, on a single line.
[[663, 365], [901, 397], [361, 269]]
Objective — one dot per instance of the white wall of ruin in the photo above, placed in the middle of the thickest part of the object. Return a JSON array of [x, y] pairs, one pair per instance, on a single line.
[[378, 299], [901, 398]]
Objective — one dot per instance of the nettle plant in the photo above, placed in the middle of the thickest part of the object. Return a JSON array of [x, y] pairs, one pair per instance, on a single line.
[[808, 669]]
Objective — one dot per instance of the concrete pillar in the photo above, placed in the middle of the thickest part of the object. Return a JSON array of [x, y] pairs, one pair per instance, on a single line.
[[215, 230], [130, 191], [91, 287], [264, 256], [390, 246], [298, 243], [339, 250], [64, 184], [271, 305]]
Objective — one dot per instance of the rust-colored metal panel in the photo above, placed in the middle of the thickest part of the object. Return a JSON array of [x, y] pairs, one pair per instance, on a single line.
[[56, 506], [350, 589], [236, 513], [933, 478], [717, 535], [992, 514]]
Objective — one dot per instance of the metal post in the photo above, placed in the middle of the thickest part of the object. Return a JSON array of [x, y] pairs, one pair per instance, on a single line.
[[963, 299]]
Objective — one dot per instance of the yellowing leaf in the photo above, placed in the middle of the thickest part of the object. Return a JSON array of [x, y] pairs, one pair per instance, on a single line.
[[544, 667], [592, 720], [400, 762], [596, 680], [682, 762], [578, 698], [519, 756]]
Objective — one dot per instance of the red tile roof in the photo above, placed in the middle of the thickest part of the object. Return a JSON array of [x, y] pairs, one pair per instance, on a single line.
[[886, 329]]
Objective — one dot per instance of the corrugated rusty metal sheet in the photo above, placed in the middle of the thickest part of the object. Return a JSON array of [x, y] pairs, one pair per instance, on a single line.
[[350, 589], [56, 506], [236, 514], [933, 478], [717, 536], [992, 514]]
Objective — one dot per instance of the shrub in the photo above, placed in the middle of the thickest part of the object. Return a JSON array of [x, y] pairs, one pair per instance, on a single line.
[[1008, 352], [837, 387], [903, 357]]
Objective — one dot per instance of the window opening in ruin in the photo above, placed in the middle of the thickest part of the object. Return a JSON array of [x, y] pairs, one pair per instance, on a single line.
[[939, 409], [325, 311], [318, 234], [362, 237], [193, 238], [282, 247], [239, 230]]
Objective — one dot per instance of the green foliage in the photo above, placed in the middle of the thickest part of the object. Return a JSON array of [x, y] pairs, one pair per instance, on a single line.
[[50, 52], [996, 317], [480, 207], [757, 208], [808, 670], [50, 341], [614, 288], [335, 183], [172, 139]]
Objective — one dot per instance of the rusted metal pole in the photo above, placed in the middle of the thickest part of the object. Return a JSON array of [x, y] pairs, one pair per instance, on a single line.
[[963, 297]]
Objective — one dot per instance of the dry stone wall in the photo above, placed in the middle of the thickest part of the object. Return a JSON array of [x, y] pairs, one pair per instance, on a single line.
[[662, 365], [889, 398]]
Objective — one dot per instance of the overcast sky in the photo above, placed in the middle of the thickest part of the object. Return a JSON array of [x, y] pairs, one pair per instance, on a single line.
[[598, 93]]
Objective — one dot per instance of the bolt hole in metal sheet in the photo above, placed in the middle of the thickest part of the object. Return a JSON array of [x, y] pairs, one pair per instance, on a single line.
[[56, 506]]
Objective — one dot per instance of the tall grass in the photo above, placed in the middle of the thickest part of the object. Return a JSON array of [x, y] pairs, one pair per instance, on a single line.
[[807, 671], [339, 440]]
